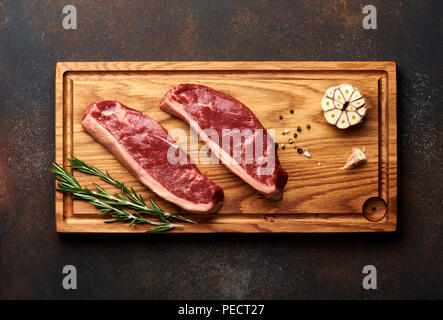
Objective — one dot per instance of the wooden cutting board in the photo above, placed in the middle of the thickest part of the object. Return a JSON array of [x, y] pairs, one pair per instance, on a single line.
[[317, 198]]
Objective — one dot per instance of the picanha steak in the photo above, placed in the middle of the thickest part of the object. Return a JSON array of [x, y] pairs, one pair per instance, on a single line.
[[207, 110], [141, 145]]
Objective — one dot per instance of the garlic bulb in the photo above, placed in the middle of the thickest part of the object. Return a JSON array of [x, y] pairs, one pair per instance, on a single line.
[[343, 106]]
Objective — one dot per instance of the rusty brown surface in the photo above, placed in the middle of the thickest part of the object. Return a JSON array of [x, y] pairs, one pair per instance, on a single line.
[[32, 40]]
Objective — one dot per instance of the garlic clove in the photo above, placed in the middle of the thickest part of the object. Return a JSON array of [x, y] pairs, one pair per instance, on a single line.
[[362, 111], [355, 95], [330, 92], [351, 108], [358, 103], [353, 117], [346, 90], [356, 158], [327, 104], [338, 96], [332, 116], [338, 105], [343, 122]]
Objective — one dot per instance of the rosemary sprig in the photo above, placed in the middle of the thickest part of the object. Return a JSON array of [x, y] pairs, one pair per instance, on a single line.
[[115, 204], [129, 197]]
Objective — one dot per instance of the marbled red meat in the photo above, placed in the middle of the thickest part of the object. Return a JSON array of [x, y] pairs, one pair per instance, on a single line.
[[207, 110], [141, 145]]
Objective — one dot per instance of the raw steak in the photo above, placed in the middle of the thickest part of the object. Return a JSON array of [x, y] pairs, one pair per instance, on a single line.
[[207, 110], [141, 145]]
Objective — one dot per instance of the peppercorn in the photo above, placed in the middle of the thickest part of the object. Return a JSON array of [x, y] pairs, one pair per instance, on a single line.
[[295, 135], [283, 146], [281, 117], [300, 150], [290, 141], [308, 126], [291, 111], [299, 129]]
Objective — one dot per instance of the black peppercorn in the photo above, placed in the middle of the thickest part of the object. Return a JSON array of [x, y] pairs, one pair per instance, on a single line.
[[295, 135], [291, 111], [299, 129], [300, 150], [281, 117], [308, 126]]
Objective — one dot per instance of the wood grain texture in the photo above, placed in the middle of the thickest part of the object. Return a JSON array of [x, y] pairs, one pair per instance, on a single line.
[[316, 199]]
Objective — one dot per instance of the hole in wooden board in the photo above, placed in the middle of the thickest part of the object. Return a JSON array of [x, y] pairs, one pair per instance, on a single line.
[[374, 209]]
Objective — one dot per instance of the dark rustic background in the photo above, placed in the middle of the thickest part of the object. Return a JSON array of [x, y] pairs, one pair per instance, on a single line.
[[32, 40]]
